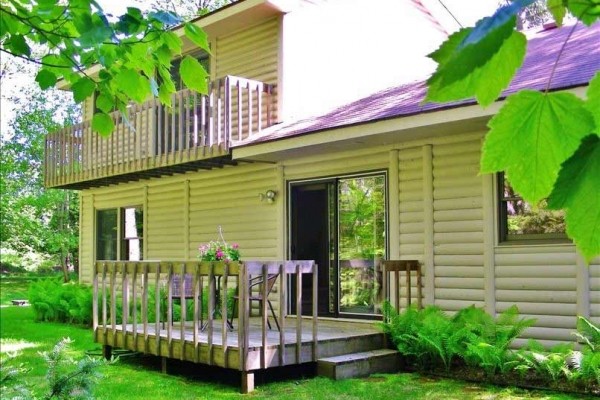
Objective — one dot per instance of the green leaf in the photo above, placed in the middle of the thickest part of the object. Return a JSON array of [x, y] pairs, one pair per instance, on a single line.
[[197, 35], [487, 25], [45, 79], [465, 60], [593, 100], [172, 41], [82, 89], [193, 74], [531, 136], [103, 124], [105, 102], [133, 84], [587, 11], [18, 45], [577, 190], [486, 82], [557, 9]]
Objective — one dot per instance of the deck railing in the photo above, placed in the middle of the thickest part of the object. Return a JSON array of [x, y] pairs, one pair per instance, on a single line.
[[133, 308], [152, 136]]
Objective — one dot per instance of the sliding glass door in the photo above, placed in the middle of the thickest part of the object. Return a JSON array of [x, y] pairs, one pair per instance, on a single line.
[[341, 224], [361, 242]]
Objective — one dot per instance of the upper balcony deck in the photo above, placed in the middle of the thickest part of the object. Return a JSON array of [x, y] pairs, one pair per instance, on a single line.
[[153, 140]]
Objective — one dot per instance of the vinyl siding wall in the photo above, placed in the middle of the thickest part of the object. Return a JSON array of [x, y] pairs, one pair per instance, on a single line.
[[441, 220]]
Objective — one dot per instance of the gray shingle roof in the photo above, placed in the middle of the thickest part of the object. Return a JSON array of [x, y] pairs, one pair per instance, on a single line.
[[578, 64]]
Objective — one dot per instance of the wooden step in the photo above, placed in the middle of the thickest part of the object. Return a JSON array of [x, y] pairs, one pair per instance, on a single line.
[[359, 364], [352, 344]]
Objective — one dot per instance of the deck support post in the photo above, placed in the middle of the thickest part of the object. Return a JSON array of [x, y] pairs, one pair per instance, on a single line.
[[247, 381], [163, 364], [107, 352]]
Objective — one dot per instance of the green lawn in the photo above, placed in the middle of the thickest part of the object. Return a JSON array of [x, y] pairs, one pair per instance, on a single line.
[[140, 377]]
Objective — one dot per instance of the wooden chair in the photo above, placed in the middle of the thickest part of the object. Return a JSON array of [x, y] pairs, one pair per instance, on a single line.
[[258, 281], [395, 267]]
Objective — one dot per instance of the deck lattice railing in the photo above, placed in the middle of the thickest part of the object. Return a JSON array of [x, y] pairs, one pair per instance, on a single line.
[[151, 136], [133, 309]]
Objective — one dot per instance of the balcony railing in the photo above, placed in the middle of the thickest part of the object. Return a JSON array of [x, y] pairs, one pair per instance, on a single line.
[[152, 139]]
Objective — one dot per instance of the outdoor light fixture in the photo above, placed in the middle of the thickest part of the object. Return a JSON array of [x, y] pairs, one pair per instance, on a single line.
[[268, 196]]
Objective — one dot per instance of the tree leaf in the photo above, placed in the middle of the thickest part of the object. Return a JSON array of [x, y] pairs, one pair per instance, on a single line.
[[557, 9], [577, 190], [468, 58], [531, 136], [197, 35], [18, 45], [587, 11], [82, 89], [172, 41], [487, 25], [193, 74], [166, 17], [45, 79], [133, 84], [103, 124], [486, 82], [593, 100], [105, 102]]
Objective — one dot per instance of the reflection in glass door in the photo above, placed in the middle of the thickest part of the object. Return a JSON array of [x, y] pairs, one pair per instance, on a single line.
[[361, 243]]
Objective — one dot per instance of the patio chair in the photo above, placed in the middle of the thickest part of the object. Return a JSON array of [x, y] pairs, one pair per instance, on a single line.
[[258, 281]]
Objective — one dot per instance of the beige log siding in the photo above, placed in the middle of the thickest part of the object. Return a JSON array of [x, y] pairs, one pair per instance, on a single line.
[[250, 53], [165, 219], [229, 198], [458, 225], [86, 238], [595, 290], [541, 280], [411, 206]]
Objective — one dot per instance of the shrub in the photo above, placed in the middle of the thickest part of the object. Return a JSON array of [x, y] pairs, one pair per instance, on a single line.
[[55, 301], [66, 378], [429, 336]]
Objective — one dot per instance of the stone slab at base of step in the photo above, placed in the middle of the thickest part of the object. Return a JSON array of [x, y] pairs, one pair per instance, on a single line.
[[359, 364]]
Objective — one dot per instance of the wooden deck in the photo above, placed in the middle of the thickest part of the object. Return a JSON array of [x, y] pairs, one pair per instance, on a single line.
[[151, 140], [135, 308], [334, 337]]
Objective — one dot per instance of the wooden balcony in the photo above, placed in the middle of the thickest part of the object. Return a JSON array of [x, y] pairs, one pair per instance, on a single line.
[[153, 140]]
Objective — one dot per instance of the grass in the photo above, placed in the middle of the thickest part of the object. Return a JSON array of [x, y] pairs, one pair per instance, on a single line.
[[139, 377]]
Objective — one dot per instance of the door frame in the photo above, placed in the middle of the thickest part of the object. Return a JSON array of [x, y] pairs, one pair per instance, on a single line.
[[289, 184]]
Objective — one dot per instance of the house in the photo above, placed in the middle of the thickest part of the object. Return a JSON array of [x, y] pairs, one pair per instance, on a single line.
[[301, 152]]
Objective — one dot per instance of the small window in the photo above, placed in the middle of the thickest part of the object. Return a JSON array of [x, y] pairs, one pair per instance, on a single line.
[[119, 234], [519, 220]]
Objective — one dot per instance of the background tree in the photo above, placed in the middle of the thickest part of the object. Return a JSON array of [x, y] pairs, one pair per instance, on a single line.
[[188, 8], [35, 219], [131, 54]]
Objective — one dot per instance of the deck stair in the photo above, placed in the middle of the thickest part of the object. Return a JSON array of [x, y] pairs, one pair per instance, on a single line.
[[360, 364]]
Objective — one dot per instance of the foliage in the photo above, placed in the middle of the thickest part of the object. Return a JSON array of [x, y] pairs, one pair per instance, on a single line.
[[53, 300], [65, 378], [133, 52], [430, 336], [38, 224], [189, 8], [219, 251], [546, 142]]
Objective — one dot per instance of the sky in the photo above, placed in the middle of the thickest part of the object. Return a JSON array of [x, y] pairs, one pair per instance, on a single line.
[[466, 11]]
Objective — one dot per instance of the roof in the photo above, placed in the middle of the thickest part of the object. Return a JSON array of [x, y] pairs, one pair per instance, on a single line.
[[576, 67]]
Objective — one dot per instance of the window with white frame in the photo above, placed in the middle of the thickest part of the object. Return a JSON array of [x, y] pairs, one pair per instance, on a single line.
[[119, 234]]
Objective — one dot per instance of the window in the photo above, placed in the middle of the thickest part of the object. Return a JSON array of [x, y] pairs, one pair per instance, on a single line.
[[519, 220], [119, 234]]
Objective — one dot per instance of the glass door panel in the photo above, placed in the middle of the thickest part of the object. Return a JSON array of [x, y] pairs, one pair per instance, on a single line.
[[361, 243]]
